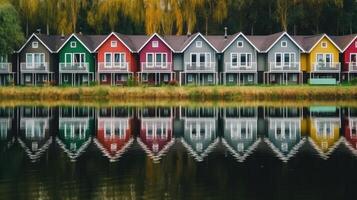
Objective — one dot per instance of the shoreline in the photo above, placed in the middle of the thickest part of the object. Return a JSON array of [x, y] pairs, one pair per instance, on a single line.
[[169, 93]]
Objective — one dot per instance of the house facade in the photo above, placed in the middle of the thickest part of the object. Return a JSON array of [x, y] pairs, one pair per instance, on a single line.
[[76, 61], [239, 62], [36, 61], [7, 73], [116, 62], [200, 63], [155, 57]]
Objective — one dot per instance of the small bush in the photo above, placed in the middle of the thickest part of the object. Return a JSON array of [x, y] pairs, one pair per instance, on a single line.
[[173, 83]]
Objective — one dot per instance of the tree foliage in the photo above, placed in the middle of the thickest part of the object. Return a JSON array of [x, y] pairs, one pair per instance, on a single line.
[[11, 35], [187, 16]]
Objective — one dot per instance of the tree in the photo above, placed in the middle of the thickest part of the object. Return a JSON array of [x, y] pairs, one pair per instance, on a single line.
[[28, 9], [11, 35]]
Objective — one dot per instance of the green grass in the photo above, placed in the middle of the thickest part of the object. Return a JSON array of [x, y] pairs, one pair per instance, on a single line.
[[258, 92]]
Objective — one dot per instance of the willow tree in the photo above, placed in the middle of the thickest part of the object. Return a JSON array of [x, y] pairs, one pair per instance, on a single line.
[[28, 10], [68, 14], [48, 12], [189, 9], [215, 9]]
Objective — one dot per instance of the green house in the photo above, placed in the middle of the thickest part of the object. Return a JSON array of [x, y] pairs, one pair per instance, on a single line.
[[77, 59]]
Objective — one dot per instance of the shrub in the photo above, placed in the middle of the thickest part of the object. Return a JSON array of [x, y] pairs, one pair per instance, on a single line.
[[173, 83]]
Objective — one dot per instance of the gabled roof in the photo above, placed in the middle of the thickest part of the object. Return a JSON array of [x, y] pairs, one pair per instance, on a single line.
[[152, 36], [309, 42], [238, 155], [344, 41], [90, 42], [51, 42], [178, 42], [191, 39], [265, 42], [118, 154], [156, 156], [231, 38]]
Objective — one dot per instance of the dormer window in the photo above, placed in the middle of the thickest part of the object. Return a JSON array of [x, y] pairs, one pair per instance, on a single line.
[[155, 44], [113, 44], [324, 44], [240, 44], [284, 44], [35, 45], [198, 44], [73, 44]]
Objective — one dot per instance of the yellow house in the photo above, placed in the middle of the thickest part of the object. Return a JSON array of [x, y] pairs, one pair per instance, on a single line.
[[321, 57]]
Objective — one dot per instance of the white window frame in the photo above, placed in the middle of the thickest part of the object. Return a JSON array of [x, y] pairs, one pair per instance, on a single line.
[[33, 64], [27, 78], [110, 63], [248, 61], [155, 44], [284, 43], [65, 78], [73, 44], [282, 57], [353, 54], [80, 55], [104, 78], [166, 77], [34, 45], [250, 78], [150, 64], [324, 45], [230, 77], [189, 78], [144, 77], [161, 64], [121, 62], [234, 64], [113, 43], [199, 44], [209, 77], [240, 44], [324, 55]]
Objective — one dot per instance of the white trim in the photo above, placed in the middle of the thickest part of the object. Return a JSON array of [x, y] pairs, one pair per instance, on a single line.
[[240, 44], [73, 44], [30, 38], [157, 35], [113, 44], [240, 34], [350, 43], [324, 45], [352, 54], [113, 33], [322, 36], [155, 44], [281, 36], [199, 34], [69, 38], [198, 44], [34, 44], [284, 43]]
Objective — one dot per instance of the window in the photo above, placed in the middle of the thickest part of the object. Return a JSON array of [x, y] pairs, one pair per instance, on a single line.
[[155, 44], [113, 44], [119, 59], [324, 44], [150, 59], [353, 58], [250, 78], [78, 58], [210, 78], [189, 78], [230, 77], [73, 44], [145, 77], [3, 59], [108, 59], [278, 59], [294, 77], [166, 77], [284, 44], [198, 44], [65, 78], [240, 44], [284, 59], [28, 78], [35, 45], [34, 60], [104, 78], [234, 59]]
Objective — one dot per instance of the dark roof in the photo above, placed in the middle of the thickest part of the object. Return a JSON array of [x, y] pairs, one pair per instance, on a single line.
[[137, 41], [54, 42], [126, 39], [219, 41], [344, 40], [307, 41], [91, 41], [263, 42], [178, 42]]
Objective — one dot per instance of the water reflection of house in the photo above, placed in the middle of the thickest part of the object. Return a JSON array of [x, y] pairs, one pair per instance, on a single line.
[[114, 131], [156, 131], [200, 130], [240, 131], [350, 130], [76, 127], [285, 127], [324, 129], [7, 115], [34, 134]]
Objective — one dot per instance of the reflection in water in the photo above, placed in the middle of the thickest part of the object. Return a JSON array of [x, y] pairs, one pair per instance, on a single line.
[[172, 152], [75, 130], [284, 131], [34, 136], [200, 129]]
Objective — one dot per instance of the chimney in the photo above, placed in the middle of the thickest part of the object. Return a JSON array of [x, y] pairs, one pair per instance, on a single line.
[[38, 31], [225, 32], [188, 33], [62, 36]]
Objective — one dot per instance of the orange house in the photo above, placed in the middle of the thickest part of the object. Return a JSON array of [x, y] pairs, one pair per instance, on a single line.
[[116, 60]]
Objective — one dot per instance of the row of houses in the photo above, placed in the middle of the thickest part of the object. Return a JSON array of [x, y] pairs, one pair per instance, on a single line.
[[186, 59], [155, 129]]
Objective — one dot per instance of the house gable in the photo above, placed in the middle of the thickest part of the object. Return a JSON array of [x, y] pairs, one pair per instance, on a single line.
[[235, 47]]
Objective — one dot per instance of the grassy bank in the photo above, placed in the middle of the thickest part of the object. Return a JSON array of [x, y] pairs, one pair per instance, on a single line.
[[236, 93]]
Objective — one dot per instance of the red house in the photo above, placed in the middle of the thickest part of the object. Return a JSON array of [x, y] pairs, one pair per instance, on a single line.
[[116, 61], [155, 56], [348, 45], [114, 133], [350, 130]]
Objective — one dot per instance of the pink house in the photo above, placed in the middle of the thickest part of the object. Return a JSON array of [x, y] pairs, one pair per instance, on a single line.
[[348, 45], [156, 61]]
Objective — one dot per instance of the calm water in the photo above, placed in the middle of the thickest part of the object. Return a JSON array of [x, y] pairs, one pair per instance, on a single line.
[[178, 153]]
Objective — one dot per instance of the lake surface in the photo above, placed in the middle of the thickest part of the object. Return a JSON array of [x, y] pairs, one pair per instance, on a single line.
[[178, 152]]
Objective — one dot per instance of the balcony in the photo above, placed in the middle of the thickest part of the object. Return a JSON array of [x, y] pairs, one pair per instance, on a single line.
[[5, 68], [156, 67], [352, 67], [113, 67], [34, 67], [327, 67], [74, 67], [200, 66], [235, 67], [279, 67]]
